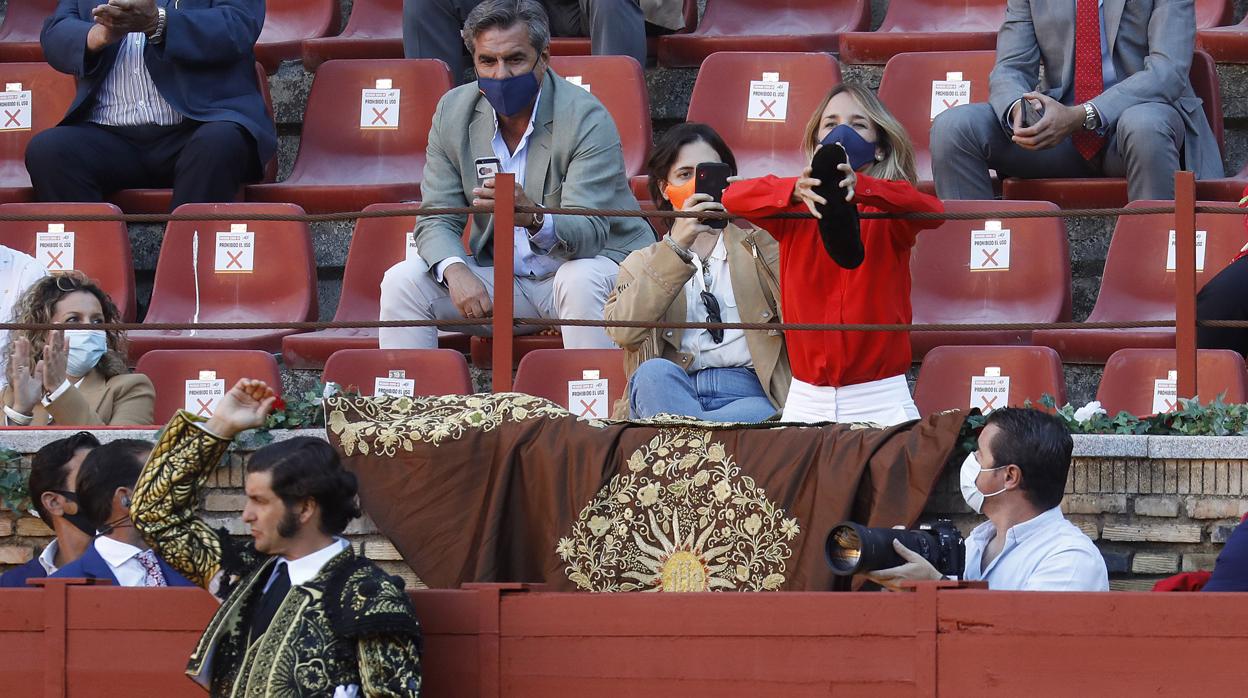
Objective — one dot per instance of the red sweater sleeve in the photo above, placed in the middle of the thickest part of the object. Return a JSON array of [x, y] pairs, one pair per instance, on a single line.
[[756, 199], [896, 196]]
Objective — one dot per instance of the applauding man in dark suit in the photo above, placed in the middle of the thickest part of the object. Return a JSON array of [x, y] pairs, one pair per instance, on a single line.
[[167, 97]]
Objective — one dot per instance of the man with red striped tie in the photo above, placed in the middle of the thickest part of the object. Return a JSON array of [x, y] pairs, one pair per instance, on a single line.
[[1115, 101]]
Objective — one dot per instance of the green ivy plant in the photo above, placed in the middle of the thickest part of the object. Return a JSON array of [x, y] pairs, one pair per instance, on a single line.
[[13, 476], [304, 410]]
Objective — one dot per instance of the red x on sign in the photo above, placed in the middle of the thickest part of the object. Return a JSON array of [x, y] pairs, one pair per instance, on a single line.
[[380, 115], [205, 408], [234, 259], [949, 104], [991, 257], [1170, 406], [12, 118], [767, 107], [54, 259], [587, 408], [989, 404]]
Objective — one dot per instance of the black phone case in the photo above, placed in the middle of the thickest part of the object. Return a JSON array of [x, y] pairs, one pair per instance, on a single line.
[[712, 179]]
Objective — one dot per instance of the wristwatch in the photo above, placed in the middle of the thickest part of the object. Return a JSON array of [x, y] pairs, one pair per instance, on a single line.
[[539, 219], [158, 34], [1091, 118]]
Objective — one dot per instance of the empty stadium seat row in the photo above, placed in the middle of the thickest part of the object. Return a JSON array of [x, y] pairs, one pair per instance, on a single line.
[[589, 381], [1138, 381]]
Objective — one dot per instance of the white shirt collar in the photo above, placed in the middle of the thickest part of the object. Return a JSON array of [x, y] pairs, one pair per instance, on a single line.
[[114, 552], [308, 566], [47, 558]]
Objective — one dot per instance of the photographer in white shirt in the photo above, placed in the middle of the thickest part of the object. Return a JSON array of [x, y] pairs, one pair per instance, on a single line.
[[1016, 478]]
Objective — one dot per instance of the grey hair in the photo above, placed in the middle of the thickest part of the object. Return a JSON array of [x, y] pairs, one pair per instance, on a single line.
[[504, 14]]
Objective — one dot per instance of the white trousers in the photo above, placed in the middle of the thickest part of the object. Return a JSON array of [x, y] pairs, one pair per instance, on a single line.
[[578, 290], [885, 402]]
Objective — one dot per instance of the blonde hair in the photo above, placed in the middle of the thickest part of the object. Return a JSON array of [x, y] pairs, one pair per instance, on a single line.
[[898, 161], [38, 305]]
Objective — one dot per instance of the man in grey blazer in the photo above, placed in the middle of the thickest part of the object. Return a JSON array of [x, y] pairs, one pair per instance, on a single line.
[[1147, 121], [565, 151]]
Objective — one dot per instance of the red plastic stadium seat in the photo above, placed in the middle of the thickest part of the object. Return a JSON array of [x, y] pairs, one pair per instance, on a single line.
[[51, 95], [906, 87], [927, 25], [288, 23], [546, 372], [374, 30], [1034, 288], [376, 245], [1213, 13], [169, 371], [342, 166], [481, 349], [281, 288], [19, 34], [161, 200], [778, 25], [1128, 382], [1111, 192], [617, 82], [721, 99], [945, 377], [101, 248], [1137, 287], [433, 371], [1224, 189], [1225, 44]]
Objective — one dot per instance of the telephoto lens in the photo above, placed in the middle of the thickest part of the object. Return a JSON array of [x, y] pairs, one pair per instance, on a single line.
[[856, 549]]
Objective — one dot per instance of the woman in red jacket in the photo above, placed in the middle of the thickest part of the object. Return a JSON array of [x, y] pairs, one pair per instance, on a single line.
[[846, 376]]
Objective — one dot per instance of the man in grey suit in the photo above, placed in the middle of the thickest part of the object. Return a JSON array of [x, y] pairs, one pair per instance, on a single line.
[[565, 151], [614, 27], [1116, 101]]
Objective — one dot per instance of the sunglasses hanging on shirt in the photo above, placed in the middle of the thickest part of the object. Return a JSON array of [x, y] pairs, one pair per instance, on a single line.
[[711, 303]]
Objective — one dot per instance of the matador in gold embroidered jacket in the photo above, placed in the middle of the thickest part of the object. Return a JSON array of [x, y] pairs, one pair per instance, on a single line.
[[351, 625]]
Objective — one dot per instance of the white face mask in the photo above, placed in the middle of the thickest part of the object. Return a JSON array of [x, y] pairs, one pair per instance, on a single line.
[[967, 481], [86, 348]]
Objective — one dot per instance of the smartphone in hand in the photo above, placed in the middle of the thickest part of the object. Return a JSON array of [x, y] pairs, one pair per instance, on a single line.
[[1031, 115], [711, 178], [486, 168]]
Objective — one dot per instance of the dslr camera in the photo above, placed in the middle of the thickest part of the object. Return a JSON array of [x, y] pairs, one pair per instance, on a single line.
[[856, 549]]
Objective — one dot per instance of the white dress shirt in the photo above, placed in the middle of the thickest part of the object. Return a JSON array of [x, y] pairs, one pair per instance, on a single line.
[[127, 95], [47, 558], [122, 560], [530, 258], [1047, 553], [308, 566], [733, 351], [18, 272]]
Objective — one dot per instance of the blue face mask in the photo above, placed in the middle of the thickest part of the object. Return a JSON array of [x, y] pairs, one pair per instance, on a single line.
[[860, 152], [512, 95]]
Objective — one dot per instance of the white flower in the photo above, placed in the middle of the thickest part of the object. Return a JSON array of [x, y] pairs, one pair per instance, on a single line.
[[1089, 411], [648, 495]]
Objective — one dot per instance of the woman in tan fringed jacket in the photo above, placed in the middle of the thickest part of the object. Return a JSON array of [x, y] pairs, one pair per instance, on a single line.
[[699, 274]]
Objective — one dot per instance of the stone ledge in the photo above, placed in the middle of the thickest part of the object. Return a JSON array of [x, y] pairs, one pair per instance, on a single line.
[[31, 440]]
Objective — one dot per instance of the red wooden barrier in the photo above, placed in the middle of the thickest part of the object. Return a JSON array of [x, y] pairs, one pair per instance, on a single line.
[[513, 640]]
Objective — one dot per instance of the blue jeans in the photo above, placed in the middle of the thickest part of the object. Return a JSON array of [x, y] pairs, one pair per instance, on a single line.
[[713, 394]]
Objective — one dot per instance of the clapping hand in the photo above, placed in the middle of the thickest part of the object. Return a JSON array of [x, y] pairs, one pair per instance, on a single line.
[[55, 361], [125, 16], [245, 406], [27, 383]]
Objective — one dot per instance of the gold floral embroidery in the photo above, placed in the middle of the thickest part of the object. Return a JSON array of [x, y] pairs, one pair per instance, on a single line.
[[681, 518], [384, 426]]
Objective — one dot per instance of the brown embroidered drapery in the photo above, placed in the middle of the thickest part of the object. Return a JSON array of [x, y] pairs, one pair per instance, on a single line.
[[508, 487]]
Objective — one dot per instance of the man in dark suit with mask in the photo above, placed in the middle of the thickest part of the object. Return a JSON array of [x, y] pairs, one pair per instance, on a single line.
[[52, 487]]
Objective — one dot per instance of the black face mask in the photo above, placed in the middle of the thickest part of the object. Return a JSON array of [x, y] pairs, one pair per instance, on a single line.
[[78, 519]]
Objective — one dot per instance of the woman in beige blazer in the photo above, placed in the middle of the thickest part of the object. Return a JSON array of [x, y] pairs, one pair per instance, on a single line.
[[73, 377], [699, 274]]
